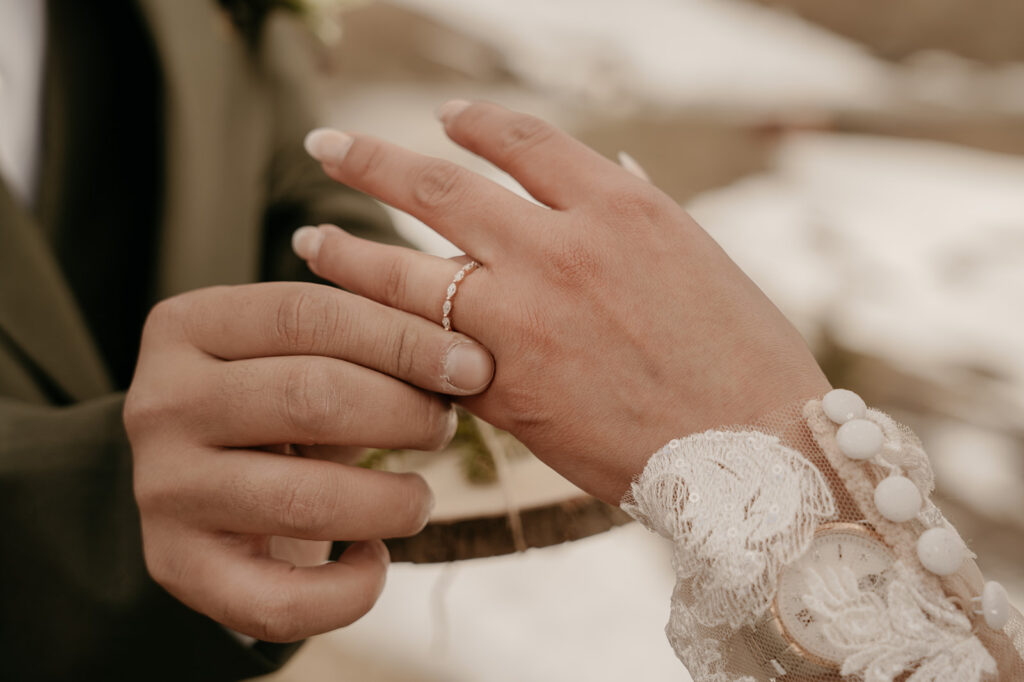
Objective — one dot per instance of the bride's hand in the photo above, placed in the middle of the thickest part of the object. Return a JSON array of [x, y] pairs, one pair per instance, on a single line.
[[615, 321]]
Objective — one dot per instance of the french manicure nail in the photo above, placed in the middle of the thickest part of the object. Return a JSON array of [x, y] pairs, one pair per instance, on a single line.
[[327, 145], [468, 368], [450, 109], [306, 242], [632, 167]]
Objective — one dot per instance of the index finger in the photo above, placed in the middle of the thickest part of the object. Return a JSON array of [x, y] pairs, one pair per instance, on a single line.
[[292, 318]]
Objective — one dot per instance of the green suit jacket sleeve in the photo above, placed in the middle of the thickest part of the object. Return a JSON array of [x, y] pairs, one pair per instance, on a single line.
[[76, 601]]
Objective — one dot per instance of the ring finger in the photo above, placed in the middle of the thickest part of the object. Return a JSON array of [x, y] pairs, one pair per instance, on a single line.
[[393, 275]]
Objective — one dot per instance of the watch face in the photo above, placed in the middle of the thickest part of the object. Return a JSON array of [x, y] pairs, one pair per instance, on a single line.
[[847, 545]]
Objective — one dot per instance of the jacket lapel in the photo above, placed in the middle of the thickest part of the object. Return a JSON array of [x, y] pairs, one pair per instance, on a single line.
[[38, 312], [215, 132], [216, 123]]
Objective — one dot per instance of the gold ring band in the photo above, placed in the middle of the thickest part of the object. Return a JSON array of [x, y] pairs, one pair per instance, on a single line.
[[446, 307]]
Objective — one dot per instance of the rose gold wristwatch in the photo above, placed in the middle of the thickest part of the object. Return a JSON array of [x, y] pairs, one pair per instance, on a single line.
[[788, 640]]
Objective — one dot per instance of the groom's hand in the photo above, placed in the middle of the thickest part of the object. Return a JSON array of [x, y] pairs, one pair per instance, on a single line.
[[224, 374]]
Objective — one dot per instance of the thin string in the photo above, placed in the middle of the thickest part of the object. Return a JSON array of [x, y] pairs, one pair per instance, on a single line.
[[440, 644], [498, 452]]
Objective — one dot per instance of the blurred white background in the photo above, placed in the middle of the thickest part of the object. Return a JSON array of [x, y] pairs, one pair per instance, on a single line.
[[867, 175]]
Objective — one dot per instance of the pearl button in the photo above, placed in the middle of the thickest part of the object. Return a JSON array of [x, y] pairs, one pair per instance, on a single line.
[[859, 439], [898, 499], [841, 406], [995, 605], [940, 551]]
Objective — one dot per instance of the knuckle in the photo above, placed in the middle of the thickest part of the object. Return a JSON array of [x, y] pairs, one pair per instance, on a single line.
[[168, 314], [436, 184], [308, 399], [170, 308], [196, 313], [242, 495], [306, 321], [402, 351], [522, 135], [158, 401], [306, 506], [148, 412], [573, 262], [151, 494], [394, 282], [141, 409], [367, 156], [167, 567], [635, 203]]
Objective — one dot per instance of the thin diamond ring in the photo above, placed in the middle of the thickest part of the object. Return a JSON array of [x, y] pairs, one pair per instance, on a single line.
[[446, 308]]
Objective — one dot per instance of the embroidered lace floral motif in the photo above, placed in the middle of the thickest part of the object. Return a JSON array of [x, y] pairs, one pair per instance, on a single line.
[[738, 506], [902, 629], [703, 656]]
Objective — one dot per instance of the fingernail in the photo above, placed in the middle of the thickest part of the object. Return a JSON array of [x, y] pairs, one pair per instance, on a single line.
[[379, 549], [306, 242], [433, 499], [632, 167], [453, 426], [327, 145], [367, 549], [430, 509], [468, 367], [450, 109]]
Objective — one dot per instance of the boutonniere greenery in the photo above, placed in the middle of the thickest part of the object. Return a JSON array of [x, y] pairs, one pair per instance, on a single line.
[[249, 15]]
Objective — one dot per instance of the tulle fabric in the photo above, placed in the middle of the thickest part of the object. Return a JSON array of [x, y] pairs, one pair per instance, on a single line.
[[740, 503]]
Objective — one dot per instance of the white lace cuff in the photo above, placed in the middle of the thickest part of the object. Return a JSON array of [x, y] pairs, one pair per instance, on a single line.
[[806, 547]]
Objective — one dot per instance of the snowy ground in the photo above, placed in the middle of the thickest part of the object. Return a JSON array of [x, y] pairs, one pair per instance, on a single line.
[[909, 250], [589, 610], [670, 52]]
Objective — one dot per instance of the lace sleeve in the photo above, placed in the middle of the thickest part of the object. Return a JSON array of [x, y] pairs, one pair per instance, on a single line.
[[806, 547]]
